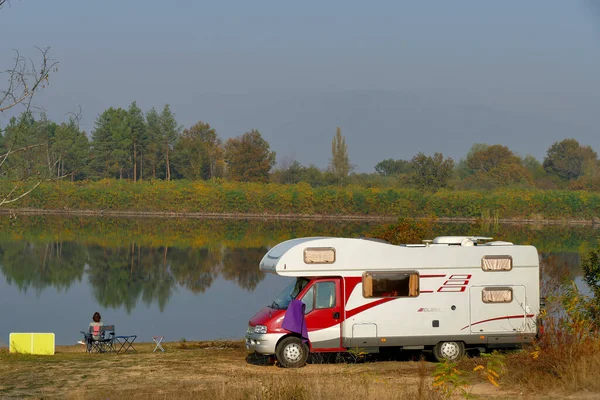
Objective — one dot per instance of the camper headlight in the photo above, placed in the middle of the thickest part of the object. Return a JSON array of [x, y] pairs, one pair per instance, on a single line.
[[260, 329]]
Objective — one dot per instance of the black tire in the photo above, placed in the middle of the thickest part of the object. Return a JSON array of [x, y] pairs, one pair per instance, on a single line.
[[291, 352], [450, 351]]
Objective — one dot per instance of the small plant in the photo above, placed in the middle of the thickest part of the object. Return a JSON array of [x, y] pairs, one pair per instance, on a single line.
[[448, 380], [357, 354], [422, 388], [535, 353], [493, 368]]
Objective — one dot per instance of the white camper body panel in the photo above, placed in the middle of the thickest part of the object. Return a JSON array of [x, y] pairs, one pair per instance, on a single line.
[[354, 256], [410, 321], [449, 305]]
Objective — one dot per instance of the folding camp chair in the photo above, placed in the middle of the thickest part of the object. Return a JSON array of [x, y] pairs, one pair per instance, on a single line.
[[108, 343], [102, 345], [124, 344], [158, 340]]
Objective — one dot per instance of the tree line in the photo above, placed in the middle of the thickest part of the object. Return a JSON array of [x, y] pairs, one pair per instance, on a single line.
[[130, 144], [135, 145], [567, 165]]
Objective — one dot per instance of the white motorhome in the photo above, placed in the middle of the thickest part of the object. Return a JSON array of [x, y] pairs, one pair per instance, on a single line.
[[446, 295]]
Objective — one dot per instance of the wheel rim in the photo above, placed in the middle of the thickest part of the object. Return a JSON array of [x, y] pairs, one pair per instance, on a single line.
[[450, 350], [292, 352]]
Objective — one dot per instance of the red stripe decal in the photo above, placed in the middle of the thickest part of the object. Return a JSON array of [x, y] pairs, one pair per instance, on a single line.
[[350, 283], [432, 276], [499, 318], [354, 311], [426, 291]]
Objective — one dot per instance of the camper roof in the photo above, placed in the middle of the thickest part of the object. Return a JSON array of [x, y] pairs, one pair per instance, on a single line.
[[459, 240], [327, 256]]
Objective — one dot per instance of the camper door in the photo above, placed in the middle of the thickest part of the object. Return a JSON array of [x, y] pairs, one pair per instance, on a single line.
[[497, 309], [323, 313]]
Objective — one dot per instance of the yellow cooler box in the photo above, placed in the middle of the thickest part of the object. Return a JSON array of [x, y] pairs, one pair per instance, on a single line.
[[32, 343]]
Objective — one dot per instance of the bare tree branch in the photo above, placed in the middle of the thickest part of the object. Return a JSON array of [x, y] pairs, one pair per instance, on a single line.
[[76, 116], [24, 79], [8, 200], [11, 151]]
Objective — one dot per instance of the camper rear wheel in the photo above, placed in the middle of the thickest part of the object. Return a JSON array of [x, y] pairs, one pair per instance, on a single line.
[[291, 352], [451, 351]]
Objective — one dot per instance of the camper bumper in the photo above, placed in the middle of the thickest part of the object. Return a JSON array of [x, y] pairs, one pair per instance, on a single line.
[[262, 343]]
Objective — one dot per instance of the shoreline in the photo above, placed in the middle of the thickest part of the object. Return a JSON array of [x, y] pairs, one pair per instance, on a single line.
[[272, 216], [145, 345]]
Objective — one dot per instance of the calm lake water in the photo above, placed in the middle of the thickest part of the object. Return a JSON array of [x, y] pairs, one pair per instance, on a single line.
[[193, 279]]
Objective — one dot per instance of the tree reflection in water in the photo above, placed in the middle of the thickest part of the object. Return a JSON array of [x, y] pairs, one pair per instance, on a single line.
[[131, 260], [128, 260], [122, 276], [39, 265]]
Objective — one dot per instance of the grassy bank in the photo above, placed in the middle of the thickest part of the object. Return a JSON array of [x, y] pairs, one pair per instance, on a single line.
[[212, 370], [222, 370], [302, 199]]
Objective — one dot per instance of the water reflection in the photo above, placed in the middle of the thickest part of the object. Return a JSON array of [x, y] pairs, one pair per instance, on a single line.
[[122, 276], [131, 260], [39, 265]]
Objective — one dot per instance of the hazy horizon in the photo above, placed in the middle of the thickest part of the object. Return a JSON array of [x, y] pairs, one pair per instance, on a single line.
[[397, 77]]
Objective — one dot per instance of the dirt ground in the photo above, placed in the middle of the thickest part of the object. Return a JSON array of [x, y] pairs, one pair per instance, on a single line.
[[215, 370]]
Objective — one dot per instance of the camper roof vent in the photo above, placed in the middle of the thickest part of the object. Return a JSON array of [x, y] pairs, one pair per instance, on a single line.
[[499, 243], [460, 240]]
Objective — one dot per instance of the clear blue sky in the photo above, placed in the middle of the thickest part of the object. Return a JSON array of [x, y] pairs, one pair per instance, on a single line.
[[239, 65]]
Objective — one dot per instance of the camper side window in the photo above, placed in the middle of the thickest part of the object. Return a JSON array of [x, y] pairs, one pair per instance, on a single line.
[[319, 255], [309, 300], [320, 295], [497, 295], [496, 263], [390, 284], [325, 294]]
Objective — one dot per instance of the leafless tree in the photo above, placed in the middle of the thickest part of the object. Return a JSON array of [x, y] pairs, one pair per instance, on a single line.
[[24, 78], [20, 189]]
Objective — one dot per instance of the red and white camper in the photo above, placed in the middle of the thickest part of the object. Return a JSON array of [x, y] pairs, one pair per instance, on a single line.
[[445, 295]]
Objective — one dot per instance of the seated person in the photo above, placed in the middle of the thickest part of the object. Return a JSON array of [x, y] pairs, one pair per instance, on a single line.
[[96, 326]]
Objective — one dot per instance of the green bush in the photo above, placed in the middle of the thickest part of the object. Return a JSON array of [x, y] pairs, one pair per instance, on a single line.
[[302, 199]]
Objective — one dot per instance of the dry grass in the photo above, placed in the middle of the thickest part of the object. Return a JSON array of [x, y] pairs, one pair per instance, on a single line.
[[224, 370], [563, 363], [215, 370], [566, 360]]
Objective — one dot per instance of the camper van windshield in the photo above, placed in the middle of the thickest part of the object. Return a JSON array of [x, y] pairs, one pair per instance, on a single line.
[[291, 292]]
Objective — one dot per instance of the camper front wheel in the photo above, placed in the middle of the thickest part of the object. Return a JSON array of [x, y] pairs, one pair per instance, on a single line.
[[451, 351], [291, 352]]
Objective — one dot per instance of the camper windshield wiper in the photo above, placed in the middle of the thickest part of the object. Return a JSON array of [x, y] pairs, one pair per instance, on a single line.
[[275, 305]]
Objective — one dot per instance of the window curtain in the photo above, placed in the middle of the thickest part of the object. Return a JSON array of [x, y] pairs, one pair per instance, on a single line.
[[367, 285], [496, 264], [319, 256], [413, 286], [497, 295]]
